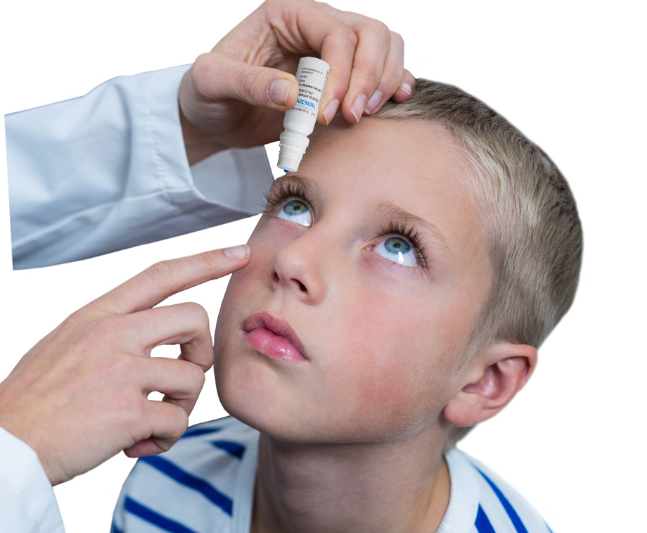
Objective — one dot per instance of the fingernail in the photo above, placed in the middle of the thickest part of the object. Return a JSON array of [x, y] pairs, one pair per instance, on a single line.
[[279, 91], [358, 106], [330, 111], [237, 252], [406, 88], [373, 102]]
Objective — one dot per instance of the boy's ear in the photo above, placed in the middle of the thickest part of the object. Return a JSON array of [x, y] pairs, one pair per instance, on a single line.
[[499, 372]]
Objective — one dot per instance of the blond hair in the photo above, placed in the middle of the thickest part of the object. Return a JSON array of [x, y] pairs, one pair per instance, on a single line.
[[527, 213]]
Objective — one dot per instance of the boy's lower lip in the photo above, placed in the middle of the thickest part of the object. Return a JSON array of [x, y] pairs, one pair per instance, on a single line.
[[271, 345]]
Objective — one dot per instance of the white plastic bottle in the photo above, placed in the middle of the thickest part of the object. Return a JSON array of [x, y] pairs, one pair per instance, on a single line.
[[299, 121]]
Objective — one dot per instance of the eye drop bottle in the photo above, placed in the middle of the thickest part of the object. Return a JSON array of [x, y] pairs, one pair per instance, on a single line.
[[299, 121]]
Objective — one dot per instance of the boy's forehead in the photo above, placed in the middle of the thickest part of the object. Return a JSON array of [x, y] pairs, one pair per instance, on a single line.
[[404, 151], [414, 165]]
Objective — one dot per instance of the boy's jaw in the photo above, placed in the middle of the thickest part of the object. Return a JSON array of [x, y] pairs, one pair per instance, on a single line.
[[382, 338]]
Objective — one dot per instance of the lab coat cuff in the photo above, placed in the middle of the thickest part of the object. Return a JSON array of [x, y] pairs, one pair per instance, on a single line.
[[27, 500], [168, 164], [234, 179]]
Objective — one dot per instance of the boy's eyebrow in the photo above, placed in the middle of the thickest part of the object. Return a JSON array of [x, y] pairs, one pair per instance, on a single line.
[[397, 214]]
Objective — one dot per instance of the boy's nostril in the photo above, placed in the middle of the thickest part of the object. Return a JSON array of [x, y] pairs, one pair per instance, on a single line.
[[302, 286]]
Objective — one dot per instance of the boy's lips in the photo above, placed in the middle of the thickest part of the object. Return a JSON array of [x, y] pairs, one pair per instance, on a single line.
[[273, 337]]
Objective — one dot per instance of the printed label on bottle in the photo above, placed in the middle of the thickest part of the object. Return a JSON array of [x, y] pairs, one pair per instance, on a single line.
[[312, 82]]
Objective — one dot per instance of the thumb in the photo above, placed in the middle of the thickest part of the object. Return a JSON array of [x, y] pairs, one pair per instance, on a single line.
[[218, 77]]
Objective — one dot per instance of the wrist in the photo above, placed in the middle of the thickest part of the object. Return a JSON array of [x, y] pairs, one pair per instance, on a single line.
[[198, 142], [20, 432]]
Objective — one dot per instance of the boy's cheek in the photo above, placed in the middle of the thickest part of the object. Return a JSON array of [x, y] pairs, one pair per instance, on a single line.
[[247, 280], [386, 374]]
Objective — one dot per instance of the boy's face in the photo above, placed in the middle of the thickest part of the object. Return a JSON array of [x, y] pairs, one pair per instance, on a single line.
[[382, 332]]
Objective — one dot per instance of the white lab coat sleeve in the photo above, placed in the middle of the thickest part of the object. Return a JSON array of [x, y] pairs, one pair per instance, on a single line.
[[27, 500], [108, 170]]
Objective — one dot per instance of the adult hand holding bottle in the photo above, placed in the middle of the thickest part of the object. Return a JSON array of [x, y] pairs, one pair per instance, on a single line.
[[235, 95]]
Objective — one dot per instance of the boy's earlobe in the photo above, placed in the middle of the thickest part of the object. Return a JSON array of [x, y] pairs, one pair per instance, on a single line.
[[502, 372]]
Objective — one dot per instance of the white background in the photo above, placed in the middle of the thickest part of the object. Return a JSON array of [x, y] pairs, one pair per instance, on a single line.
[[570, 75]]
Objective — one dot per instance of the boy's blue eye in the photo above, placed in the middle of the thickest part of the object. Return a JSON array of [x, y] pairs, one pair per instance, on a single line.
[[398, 250], [296, 211]]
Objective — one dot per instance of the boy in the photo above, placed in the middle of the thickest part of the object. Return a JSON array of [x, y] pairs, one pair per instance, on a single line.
[[400, 285]]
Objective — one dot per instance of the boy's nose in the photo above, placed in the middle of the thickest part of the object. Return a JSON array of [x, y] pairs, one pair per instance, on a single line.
[[298, 269]]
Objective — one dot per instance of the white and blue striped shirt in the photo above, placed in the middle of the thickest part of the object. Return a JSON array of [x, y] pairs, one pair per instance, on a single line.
[[205, 483]]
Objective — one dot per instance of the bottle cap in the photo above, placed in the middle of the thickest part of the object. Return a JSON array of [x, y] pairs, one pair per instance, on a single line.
[[291, 149]]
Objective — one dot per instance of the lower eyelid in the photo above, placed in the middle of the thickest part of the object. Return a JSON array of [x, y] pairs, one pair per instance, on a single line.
[[371, 249], [395, 268]]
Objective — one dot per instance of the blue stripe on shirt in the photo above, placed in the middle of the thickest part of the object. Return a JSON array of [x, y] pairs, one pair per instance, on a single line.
[[150, 516], [483, 524], [189, 480], [196, 432], [514, 517], [233, 448]]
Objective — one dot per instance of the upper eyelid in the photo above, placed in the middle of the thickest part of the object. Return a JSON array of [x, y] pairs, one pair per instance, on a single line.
[[420, 257], [281, 194], [412, 236]]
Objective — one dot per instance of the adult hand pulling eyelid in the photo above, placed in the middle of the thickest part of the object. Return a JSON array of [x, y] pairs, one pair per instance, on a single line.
[[96, 365], [166, 278]]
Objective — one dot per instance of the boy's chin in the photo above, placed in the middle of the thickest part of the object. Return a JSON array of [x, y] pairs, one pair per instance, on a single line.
[[246, 394], [263, 417], [294, 424]]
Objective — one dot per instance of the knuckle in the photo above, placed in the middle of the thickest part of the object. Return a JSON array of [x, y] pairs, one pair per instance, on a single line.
[[247, 83], [75, 320], [197, 311], [103, 328], [349, 38], [100, 347], [281, 4], [116, 369], [160, 273], [397, 38], [391, 80], [132, 412], [179, 422], [121, 365], [198, 74], [176, 425], [370, 80], [212, 261], [196, 377], [374, 79], [193, 377], [380, 28]]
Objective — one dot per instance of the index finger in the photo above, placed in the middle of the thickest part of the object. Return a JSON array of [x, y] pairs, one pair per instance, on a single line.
[[163, 279], [336, 44]]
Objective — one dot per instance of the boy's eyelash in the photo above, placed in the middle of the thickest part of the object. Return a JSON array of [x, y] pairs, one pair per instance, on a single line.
[[281, 192], [409, 232], [290, 189]]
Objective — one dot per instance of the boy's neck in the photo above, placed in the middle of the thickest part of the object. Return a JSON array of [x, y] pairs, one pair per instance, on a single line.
[[400, 486]]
